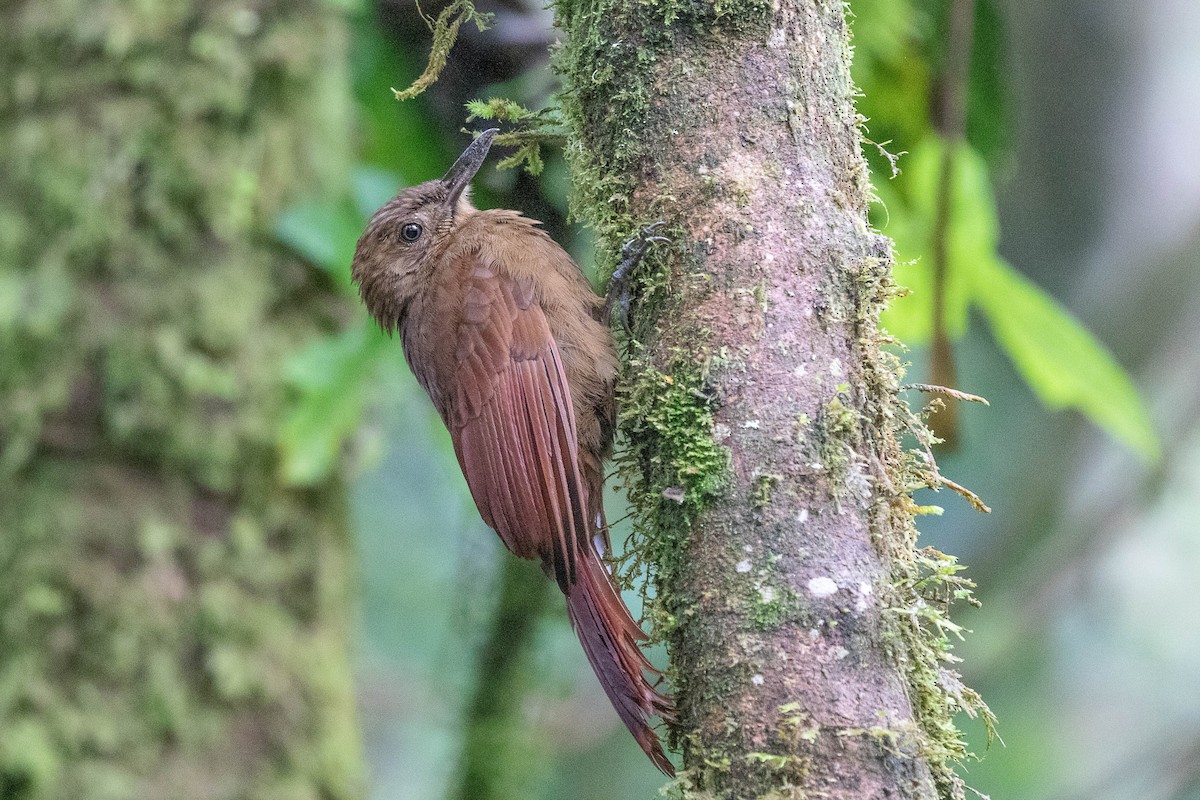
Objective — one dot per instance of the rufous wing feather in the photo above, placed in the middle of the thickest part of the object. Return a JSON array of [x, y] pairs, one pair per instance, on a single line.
[[513, 425]]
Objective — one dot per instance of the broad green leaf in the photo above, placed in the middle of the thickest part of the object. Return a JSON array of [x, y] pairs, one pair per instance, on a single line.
[[332, 379], [900, 48], [892, 71], [1060, 360], [989, 105], [324, 234], [908, 317], [1063, 364], [910, 218]]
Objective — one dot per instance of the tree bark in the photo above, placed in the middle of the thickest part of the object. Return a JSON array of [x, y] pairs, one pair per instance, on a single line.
[[173, 618], [762, 416]]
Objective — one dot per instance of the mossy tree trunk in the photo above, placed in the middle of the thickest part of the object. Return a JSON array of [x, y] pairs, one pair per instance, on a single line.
[[761, 414], [173, 618]]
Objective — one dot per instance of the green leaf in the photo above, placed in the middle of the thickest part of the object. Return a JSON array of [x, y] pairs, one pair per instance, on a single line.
[[332, 379], [910, 203], [892, 69], [324, 233], [400, 137], [989, 103], [1063, 364], [1060, 360]]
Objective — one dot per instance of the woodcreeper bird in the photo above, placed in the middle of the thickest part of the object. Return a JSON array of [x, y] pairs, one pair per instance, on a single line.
[[504, 333]]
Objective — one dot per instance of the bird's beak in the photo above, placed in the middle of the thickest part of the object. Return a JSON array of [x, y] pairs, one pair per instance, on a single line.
[[459, 176]]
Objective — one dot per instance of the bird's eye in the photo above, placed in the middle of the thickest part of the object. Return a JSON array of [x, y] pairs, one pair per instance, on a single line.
[[410, 232]]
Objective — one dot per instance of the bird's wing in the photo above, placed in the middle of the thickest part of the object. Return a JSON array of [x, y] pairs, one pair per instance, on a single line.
[[512, 421], [513, 424]]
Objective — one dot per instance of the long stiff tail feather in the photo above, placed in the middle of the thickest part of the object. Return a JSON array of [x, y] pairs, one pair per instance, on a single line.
[[610, 638]]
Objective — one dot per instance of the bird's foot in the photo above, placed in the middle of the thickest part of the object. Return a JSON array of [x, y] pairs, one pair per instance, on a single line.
[[631, 256]]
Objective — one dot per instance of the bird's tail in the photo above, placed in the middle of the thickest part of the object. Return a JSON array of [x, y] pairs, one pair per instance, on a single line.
[[610, 638]]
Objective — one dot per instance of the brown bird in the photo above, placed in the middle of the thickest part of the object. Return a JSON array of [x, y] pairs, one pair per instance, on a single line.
[[504, 333]]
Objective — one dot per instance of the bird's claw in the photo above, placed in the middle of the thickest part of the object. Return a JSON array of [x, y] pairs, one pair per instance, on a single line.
[[631, 255], [636, 247]]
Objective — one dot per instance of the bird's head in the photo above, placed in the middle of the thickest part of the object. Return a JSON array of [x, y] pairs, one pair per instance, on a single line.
[[411, 228]]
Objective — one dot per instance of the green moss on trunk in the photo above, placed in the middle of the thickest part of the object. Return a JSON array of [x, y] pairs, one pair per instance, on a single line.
[[173, 619]]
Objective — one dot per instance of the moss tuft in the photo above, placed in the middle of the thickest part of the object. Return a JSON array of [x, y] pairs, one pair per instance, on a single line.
[[760, 496], [671, 469], [925, 583]]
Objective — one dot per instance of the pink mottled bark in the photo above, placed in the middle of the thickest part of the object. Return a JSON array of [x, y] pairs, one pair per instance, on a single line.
[[790, 684]]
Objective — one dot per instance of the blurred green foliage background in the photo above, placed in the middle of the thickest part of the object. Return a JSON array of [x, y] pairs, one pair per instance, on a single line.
[[1073, 282]]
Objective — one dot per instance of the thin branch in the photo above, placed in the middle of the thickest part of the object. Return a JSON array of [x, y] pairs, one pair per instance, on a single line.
[[950, 120], [931, 388]]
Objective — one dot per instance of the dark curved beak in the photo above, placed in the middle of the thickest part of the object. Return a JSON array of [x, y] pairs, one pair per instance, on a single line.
[[459, 176]]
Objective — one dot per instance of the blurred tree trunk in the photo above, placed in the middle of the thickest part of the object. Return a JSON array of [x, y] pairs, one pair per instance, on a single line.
[[765, 465], [500, 758], [173, 618]]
